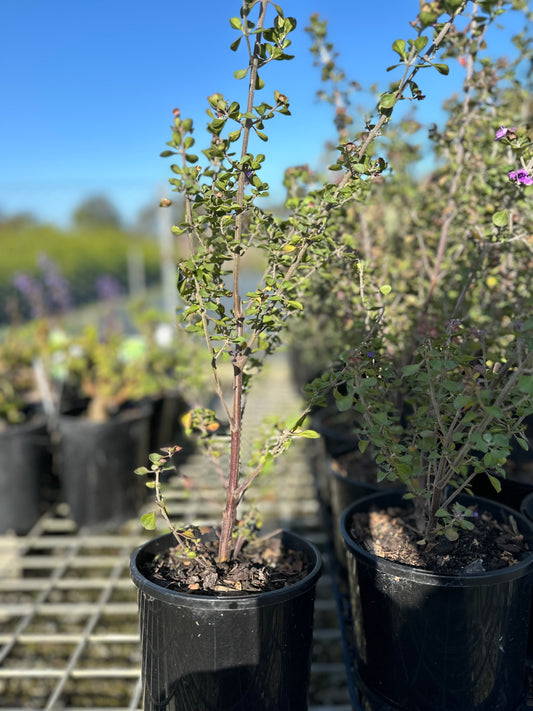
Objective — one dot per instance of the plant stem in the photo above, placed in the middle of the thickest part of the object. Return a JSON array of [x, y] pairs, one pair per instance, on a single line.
[[230, 510]]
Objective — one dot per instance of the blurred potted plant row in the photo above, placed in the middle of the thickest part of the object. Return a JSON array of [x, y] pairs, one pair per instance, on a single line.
[[79, 256], [81, 405]]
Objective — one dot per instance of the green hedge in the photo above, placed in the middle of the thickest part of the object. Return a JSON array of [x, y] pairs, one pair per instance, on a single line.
[[81, 257]]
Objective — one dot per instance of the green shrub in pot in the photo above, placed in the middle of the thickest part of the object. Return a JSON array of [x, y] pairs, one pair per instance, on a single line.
[[441, 382], [25, 445]]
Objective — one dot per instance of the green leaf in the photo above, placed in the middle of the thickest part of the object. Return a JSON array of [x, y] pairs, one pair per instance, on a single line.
[[500, 219], [410, 369], [525, 384], [363, 445], [462, 401], [523, 443], [382, 475], [452, 5], [141, 471], [451, 534], [468, 525], [496, 483], [453, 386], [441, 512], [387, 101], [420, 42], [309, 434], [442, 69], [187, 533], [236, 23], [148, 521], [234, 46], [427, 17], [343, 402], [385, 289], [493, 411], [381, 418], [399, 47], [240, 73]]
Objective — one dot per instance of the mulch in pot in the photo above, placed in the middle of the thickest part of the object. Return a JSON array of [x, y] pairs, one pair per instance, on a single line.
[[391, 534], [263, 565]]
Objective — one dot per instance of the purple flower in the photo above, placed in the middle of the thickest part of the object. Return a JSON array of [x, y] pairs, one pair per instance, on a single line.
[[521, 176], [58, 287], [503, 132], [32, 291], [108, 288], [370, 354], [453, 325]]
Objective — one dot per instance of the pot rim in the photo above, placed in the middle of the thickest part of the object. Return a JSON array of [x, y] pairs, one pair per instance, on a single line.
[[227, 601], [36, 424], [428, 577], [527, 505], [140, 410]]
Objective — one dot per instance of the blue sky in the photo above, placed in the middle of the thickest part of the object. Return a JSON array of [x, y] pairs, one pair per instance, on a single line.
[[88, 87]]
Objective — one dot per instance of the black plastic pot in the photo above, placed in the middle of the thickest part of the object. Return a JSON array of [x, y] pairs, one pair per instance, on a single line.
[[527, 507], [527, 511], [345, 490], [336, 429], [512, 493], [165, 425], [431, 642], [97, 462], [25, 460], [229, 653]]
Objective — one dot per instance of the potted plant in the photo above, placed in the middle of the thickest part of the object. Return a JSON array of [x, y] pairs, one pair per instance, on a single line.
[[458, 406], [222, 223], [442, 403], [105, 432], [24, 437], [420, 268], [438, 384]]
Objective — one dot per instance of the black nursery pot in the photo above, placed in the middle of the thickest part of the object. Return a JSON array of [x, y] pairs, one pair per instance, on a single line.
[[345, 490], [512, 493], [228, 653], [527, 510], [527, 507], [165, 425], [431, 642], [96, 465], [25, 461]]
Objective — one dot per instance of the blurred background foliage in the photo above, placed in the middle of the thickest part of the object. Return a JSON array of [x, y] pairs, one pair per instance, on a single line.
[[95, 252]]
